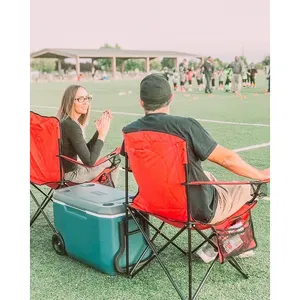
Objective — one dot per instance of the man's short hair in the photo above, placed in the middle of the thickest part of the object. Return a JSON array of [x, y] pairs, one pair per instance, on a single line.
[[155, 92], [153, 107]]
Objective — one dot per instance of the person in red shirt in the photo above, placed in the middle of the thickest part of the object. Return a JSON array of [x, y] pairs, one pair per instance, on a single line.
[[189, 75]]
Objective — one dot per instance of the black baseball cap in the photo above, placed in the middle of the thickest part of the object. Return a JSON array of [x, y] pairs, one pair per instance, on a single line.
[[155, 89]]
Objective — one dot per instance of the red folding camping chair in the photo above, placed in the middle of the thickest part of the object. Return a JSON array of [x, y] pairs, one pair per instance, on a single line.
[[159, 163], [46, 162]]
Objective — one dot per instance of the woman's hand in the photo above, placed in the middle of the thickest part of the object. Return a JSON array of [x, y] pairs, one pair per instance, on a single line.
[[103, 124]]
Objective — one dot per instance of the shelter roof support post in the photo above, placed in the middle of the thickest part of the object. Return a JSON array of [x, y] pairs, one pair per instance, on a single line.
[[114, 67], [78, 67], [93, 70], [147, 64], [123, 65], [59, 68]]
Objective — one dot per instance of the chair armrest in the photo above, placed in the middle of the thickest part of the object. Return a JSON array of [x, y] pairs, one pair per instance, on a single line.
[[226, 182], [255, 184], [98, 162], [76, 162]]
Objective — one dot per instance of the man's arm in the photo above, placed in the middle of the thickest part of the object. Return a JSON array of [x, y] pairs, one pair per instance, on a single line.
[[201, 62], [234, 163]]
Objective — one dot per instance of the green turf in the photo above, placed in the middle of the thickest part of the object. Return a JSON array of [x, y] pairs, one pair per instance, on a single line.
[[56, 277]]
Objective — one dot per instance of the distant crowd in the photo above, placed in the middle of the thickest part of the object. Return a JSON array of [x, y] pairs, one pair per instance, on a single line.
[[231, 78]]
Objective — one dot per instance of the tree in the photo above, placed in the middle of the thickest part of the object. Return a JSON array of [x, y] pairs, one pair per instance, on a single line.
[[155, 64], [105, 64], [193, 64], [44, 65], [218, 64], [133, 64], [259, 66], [266, 61], [168, 62], [244, 60]]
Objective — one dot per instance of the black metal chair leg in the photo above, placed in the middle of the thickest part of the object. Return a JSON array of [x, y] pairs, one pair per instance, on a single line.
[[145, 251], [40, 210], [40, 206], [158, 258], [237, 266], [205, 277], [190, 260]]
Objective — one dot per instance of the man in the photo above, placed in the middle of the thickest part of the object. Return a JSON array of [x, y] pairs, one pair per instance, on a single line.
[[208, 70], [182, 77], [183, 64], [237, 68], [269, 78], [209, 204]]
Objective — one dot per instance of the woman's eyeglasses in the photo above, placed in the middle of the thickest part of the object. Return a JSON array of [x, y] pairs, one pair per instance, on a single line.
[[84, 99]]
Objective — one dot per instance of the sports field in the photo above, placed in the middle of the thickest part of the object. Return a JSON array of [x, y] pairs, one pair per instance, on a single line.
[[236, 123]]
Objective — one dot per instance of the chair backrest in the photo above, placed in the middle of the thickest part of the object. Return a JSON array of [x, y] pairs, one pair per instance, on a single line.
[[45, 164], [158, 162]]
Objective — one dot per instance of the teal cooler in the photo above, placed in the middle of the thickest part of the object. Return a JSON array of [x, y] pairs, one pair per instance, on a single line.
[[90, 219]]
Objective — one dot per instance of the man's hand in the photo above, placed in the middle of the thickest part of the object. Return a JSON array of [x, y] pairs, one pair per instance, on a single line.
[[266, 173]]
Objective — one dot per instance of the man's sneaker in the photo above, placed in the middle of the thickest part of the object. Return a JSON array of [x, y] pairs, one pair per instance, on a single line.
[[207, 253], [247, 254]]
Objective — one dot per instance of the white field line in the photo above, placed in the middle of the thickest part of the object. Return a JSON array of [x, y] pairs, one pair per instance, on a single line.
[[140, 115], [247, 148], [221, 122], [251, 147]]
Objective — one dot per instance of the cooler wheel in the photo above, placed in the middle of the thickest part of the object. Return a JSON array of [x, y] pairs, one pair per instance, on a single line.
[[58, 244]]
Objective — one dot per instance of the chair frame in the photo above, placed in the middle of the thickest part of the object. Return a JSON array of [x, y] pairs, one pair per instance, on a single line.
[[64, 183], [189, 225]]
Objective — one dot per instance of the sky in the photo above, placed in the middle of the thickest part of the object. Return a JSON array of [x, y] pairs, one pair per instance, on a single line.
[[223, 28]]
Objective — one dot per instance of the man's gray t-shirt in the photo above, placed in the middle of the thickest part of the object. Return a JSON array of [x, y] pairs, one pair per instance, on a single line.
[[237, 67], [200, 144]]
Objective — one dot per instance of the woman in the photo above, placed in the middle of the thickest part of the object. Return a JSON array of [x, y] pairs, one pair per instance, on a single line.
[[74, 115]]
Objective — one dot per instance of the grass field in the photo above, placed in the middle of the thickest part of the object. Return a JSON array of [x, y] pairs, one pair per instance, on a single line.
[[234, 123]]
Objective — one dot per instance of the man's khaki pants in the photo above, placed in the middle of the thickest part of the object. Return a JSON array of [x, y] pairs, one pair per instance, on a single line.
[[231, 199], [236, 83]]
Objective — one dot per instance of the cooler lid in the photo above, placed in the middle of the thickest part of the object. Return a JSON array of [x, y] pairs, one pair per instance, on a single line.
[[92, 197]]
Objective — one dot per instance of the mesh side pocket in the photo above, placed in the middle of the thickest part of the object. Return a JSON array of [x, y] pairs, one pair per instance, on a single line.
[[236, 238]]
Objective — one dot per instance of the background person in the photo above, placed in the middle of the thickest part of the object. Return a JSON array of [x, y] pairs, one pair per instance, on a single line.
[[237, 68], [208, 70]]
